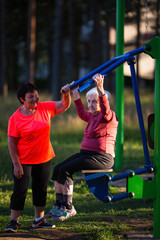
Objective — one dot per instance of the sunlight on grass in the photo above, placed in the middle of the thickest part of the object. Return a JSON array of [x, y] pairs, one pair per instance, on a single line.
[[68, 124]]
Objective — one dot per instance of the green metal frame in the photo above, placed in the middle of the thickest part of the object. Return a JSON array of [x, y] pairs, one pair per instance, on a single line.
[[140, 187], [120, 10], [145, 189]]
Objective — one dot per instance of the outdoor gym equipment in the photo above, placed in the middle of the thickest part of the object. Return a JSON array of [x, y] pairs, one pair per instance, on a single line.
[[137, 187], [98, 182]]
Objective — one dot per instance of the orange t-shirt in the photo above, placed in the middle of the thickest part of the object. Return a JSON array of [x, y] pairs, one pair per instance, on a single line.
[[33, 133]]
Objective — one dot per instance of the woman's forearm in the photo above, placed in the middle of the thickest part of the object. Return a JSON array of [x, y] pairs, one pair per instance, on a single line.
[[66, 100], [13, 151], [64, 104], [18, 169]]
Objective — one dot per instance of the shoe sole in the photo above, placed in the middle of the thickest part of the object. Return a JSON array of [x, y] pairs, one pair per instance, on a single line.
[[61, 219], [49, 216], [33, 226], [10, 230]]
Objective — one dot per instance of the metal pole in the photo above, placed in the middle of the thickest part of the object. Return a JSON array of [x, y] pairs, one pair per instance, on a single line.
[[106, 67], [139, 111], [156, 226], [120, 10]]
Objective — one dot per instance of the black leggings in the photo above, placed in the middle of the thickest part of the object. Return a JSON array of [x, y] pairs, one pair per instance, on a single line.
[[84, 160], [40, 176]]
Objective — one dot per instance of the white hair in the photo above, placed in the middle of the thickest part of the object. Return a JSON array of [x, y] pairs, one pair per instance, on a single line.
[[94, 91]]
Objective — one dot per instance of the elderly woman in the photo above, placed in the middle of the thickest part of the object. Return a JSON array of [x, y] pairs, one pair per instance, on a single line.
[[31, 150], [97, 147]]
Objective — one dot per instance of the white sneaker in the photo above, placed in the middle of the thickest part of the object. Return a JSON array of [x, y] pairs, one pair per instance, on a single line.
[[64, 213]]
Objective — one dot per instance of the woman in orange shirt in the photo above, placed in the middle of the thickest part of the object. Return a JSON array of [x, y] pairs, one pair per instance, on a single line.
[[31, 150]]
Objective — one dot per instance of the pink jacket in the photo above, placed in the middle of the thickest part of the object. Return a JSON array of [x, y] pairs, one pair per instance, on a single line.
[[100, 133]]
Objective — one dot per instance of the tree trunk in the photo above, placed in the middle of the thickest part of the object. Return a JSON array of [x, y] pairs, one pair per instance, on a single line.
[[70, 67], [108, 83], [31, 40], [50, 40], [2, 47], [56, 68], [96, 41]]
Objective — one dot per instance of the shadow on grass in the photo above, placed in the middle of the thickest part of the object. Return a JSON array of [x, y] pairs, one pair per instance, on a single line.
[[47, 234]]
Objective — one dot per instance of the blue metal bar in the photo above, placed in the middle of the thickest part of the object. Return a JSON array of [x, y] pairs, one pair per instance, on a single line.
[[123, 59], [126, 174], [104, 66], [91, 176], [118, 197], [141, 170], [136, 51], [97, 70], [120, 176], [139, 110]]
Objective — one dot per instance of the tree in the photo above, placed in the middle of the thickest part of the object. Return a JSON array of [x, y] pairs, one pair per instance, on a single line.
[[2, 46], [70, 64], [56, 68], [50, 41], [31, 40]]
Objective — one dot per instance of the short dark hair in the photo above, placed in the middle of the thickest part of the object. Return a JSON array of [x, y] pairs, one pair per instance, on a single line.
[[24, 88]]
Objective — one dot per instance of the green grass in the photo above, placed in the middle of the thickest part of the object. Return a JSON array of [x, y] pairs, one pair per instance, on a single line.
[[95, 220]]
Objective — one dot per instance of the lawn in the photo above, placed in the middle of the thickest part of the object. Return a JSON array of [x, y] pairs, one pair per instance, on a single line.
[[95, 220]]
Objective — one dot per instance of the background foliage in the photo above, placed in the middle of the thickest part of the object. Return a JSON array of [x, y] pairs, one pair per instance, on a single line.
[[71, 39]]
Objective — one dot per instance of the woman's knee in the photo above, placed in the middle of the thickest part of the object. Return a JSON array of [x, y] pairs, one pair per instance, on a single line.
[[55, 172], [64, 175]]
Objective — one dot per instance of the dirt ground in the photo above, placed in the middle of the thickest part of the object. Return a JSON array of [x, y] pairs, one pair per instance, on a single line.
[[48, 234], [141, 232]]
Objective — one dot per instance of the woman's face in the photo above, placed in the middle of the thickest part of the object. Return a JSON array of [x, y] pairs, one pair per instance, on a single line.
[[93, 104], [31, 100]]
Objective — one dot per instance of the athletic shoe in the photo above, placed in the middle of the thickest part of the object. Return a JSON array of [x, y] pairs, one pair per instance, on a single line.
[[12, 226], [53, 211], [42, 223], [64, 213]]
